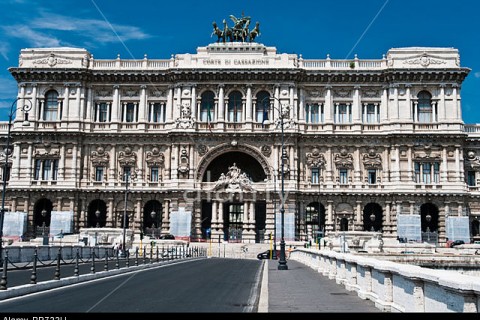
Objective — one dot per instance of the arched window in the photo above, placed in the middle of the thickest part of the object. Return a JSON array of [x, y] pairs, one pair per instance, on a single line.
[[52, 106], [262, 106], [207, 107], [424, 107], [235, 107]]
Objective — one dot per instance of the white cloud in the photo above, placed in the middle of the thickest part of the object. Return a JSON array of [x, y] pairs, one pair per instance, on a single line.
[[34, 38], [4, 50], [477, 74], [97, 29], [53, 30]]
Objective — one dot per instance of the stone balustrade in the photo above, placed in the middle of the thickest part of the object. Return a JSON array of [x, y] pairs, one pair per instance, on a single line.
[[396, 287]]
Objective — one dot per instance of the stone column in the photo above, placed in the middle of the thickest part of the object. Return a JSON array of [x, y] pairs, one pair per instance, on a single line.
[[90, 105], [328, 104], [66, 104], [249, 104], [356, 105], [169, 106], [408, 111], [166, 217], [61, 165], [142, 106], [115, 104]]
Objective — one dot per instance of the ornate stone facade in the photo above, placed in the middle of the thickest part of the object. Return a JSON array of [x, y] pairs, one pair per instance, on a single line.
[[363, 141]]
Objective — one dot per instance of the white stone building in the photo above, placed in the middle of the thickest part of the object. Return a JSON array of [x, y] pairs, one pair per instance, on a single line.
[[201, 133]]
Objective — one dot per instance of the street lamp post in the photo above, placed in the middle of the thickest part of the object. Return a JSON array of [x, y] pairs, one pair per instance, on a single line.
[[275, 214], [153, 214], [372, 219], [97, 214], [25, 109], [124, 247], [282, 263], [44, 235]]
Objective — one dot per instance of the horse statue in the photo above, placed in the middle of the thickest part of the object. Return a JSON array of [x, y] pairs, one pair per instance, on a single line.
[[227, 32], [218, 33], [255, 32]]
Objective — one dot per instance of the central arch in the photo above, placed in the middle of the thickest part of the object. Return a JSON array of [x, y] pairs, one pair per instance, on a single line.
[[220, 158]]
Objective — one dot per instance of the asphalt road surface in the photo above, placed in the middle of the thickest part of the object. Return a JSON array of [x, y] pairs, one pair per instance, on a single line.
[[206, 285]]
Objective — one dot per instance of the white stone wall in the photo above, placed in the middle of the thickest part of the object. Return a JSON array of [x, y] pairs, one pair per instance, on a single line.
[[396, 287]]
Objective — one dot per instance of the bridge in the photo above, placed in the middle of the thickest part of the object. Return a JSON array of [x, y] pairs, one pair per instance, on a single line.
[[318, 280]]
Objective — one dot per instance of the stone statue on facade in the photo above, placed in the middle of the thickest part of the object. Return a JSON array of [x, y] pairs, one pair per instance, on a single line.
[[239, 32]]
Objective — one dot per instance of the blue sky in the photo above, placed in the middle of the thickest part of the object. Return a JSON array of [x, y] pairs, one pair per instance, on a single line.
[[312, 28]]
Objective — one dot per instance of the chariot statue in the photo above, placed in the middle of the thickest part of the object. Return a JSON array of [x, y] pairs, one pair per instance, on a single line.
[[239, 32]]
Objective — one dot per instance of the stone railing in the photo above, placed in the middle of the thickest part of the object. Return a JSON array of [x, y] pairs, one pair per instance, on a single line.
[[396, 287]]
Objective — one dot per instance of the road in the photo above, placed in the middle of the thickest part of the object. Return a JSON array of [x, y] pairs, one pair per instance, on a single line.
[[206, 285]]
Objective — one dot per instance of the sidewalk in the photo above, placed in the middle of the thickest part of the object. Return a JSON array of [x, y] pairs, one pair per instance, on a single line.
[[301, 289]]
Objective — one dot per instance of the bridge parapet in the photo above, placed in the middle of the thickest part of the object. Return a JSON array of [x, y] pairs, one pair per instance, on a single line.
[[396, 287]]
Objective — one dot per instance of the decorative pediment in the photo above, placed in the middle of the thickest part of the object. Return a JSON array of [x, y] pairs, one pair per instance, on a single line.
[[371, 94], [52, 60], [155, 158], [104, 93], [99, 157], [342, 93], [130, 93], [344, 159], [234, 180], [315, 93], [156, 93], [127, 157], [315, 159], [427, 155], [372, 160], [424, 60], [46, 154]]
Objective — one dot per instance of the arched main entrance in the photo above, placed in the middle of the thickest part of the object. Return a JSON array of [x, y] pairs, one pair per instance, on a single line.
[[232, 211]]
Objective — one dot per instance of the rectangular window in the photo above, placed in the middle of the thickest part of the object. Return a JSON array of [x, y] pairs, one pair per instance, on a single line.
[[130, 112], [102, 112], [436, 172], [372, 176], [471, 180], [427, 172], [315, 175], [417, 172], [343, 113], [50, 112], [157, 113], [343, 176], [424, 113], [54, 169], [38, 167], [127, 171], [47, 169], [370, 114], [154, 174], [99, 173]]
